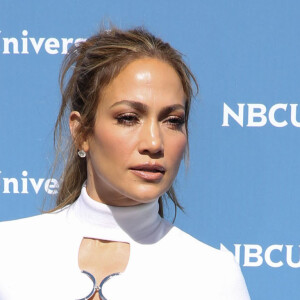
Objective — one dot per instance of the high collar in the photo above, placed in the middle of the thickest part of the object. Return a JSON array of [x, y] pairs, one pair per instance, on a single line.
[[97, 220]]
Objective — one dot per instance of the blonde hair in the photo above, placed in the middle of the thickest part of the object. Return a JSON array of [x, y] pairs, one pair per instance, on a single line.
[[89, 67]]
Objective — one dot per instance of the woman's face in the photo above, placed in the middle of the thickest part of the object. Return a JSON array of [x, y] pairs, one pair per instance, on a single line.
[[139, 136]]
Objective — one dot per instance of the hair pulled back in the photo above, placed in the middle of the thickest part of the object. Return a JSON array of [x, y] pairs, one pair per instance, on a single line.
[[88, 67]]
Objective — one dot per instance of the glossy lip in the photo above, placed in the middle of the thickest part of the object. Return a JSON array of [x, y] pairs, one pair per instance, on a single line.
[[151, 172]]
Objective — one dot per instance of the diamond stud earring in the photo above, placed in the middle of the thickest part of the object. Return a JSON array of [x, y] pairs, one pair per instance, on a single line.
[[81, 153]]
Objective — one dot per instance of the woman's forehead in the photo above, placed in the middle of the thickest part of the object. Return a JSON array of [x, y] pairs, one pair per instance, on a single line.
[[146, 79]]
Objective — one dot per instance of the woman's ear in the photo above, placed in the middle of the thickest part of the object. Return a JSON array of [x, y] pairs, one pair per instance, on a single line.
[[75, 126]]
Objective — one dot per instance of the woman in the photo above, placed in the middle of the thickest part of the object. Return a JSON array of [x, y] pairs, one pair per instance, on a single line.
[[127, 97]]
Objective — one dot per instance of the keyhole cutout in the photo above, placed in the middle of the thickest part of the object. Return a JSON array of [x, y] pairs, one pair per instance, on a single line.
[[102, 258]]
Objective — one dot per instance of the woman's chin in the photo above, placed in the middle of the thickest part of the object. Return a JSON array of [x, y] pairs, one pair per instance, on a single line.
[[146, 195]]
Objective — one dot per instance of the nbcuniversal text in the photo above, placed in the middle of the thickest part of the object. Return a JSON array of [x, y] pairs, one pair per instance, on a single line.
[[25, 44], [26, 184], [257, 115], [274, 256]]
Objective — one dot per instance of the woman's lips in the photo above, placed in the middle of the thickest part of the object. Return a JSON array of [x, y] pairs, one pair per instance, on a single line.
[[149, 172]]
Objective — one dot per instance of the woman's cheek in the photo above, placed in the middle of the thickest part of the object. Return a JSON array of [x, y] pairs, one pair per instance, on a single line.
[[177, 147], [117, 144]]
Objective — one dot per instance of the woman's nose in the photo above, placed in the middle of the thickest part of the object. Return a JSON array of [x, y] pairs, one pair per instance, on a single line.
[[151, 139]]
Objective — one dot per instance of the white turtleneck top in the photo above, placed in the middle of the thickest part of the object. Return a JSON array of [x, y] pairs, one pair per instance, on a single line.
[[39, 257]]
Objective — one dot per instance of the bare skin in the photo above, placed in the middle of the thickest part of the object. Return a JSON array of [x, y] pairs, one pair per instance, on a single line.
[[102, 258]]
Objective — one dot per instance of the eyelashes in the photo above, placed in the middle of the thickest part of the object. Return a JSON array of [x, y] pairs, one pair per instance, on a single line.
[[131, 119], [128, 119], [175, 122]]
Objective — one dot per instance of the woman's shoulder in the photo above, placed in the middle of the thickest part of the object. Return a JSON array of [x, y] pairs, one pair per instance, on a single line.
[[31, 236], [189, 250], [215, 270]]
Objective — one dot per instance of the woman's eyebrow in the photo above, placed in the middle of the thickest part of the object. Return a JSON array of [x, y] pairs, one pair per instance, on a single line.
[[134, 104], [144, 107], [168, 109]]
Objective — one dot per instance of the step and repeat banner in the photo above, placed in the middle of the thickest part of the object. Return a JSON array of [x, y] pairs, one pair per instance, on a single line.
[[241, 189]]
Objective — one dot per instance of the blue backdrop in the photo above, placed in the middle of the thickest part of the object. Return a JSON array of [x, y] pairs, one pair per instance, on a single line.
[[242, 188]]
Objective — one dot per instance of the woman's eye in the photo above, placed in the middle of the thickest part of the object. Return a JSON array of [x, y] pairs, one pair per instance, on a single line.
[[127, 119], [175, 122]]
